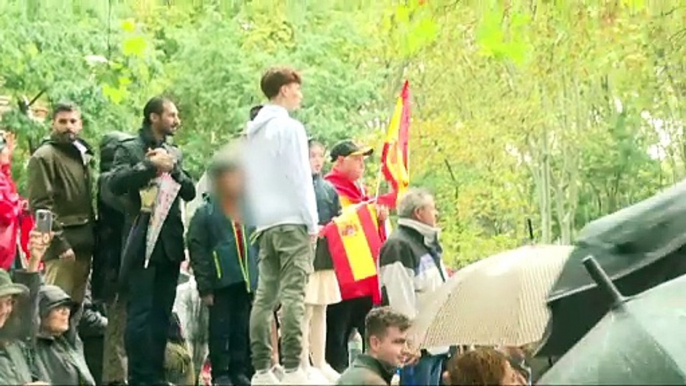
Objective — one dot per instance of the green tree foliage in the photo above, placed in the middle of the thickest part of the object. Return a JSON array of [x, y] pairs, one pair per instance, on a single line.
[[559, 112], [209, 59]]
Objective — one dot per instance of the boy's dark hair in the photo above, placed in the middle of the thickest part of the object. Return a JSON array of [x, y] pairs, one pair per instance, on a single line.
[[277, 77], [379, 320], [64, 107], [483, 366], [154, 106]]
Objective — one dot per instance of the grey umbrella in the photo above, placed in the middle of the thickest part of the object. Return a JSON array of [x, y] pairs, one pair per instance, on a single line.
[[639, 247], [639, 342]]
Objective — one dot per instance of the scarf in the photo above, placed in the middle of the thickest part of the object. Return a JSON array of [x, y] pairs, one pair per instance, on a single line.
[[429, 233], [346, 188]]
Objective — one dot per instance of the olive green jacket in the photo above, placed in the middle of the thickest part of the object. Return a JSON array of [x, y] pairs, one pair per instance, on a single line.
[[366, 370], [59, 180]]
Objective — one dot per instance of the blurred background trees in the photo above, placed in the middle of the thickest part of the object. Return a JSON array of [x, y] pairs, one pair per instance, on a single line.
[[558, 112]]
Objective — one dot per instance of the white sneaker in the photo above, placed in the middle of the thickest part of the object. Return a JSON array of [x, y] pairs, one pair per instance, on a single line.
[[330, 374], [264, 377], [278, 370], [316, 377], [296, 377]]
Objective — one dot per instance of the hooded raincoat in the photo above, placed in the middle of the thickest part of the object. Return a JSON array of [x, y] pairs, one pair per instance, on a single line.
[[59, 359]]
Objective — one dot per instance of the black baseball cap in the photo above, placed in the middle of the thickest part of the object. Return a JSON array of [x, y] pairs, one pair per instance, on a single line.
[[347, 148]]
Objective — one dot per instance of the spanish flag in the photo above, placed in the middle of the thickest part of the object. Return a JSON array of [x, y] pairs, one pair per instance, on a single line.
[[395, 161], [354, 244]]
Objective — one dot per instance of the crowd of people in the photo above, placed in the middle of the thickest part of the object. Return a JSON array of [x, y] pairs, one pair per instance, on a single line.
[[260, 290]]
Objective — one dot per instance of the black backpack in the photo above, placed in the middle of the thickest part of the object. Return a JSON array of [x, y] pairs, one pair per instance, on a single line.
[[111, 218], [108, 146]]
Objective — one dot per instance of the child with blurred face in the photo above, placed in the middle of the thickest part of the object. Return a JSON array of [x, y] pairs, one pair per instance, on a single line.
[[316, 157]]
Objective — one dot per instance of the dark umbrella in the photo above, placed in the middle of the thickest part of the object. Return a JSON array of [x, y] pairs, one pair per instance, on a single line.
[[639, 247], [639, 342]]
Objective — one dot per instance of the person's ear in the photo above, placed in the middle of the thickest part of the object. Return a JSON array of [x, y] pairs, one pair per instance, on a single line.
[[283, 90], [374, 342]]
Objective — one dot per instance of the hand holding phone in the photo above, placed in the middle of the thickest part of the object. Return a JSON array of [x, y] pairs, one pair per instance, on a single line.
[[43, 221]]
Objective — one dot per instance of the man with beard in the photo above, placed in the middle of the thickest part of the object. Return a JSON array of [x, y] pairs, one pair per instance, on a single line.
[[59, 180], [150, 285]]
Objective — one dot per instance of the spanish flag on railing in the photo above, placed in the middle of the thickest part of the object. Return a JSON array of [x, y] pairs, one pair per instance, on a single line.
[[354, 244], [395, 157]]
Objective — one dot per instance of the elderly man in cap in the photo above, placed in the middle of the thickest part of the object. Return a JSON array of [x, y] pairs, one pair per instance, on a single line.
[[341, 318], [410, 269]]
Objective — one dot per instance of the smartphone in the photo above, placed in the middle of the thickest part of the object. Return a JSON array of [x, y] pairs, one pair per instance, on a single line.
[[43, 221]]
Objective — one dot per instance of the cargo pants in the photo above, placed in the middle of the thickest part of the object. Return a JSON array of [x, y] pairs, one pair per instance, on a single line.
[[284, 264]]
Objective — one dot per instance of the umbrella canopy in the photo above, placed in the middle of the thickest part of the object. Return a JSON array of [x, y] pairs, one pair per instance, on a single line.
[[496, 301], [639, 247], [639, 342]]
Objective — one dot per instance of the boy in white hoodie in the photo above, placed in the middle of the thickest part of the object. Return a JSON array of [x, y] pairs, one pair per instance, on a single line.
[[282, 207]]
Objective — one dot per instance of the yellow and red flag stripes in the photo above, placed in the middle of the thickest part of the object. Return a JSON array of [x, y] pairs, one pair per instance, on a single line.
[[395, 164], [354, 244]]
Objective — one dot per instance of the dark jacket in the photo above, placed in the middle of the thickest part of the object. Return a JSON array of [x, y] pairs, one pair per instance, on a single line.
[[93, 320], [328, 207], [16, 337], [60, 360], [132, 171], [59, 180], [366, 370], [213, 250]]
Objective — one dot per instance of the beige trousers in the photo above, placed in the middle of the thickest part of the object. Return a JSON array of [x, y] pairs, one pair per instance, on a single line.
[[314, 336], [70, 275]]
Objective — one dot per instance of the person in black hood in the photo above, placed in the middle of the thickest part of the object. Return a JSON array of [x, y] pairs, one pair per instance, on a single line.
[[143, 166], [58, 350]]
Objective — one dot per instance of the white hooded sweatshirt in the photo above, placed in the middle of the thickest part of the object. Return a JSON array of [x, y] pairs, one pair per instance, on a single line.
[[278, 179]]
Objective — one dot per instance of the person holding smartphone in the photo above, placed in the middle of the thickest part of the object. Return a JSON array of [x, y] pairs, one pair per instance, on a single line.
[[18, 304]]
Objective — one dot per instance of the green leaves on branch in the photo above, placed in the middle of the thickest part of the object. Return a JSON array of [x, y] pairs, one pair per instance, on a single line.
[[410, 28], [502, 36]]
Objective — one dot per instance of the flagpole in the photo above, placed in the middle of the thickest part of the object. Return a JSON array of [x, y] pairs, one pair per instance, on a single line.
[[378, 182]]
